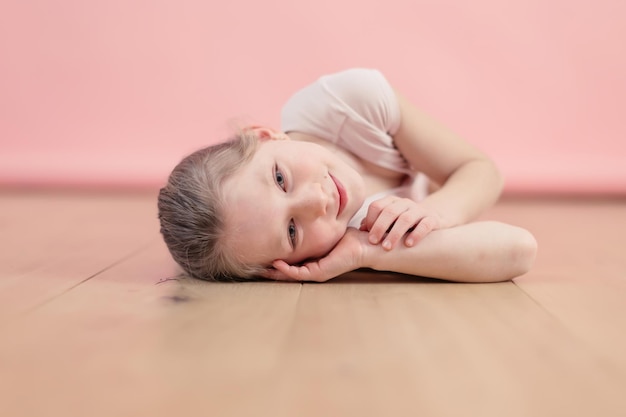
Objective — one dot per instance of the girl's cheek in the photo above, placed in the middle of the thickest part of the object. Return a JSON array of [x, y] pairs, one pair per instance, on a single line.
[[323, 245], [319, 241]]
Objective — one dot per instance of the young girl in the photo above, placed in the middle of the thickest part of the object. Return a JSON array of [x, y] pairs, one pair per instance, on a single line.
[[360, 178]]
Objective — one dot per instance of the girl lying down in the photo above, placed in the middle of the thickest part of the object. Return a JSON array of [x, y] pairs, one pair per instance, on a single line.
[[358, 177]]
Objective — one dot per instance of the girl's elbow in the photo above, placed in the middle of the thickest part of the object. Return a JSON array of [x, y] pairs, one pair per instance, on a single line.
[[523, 253], [498, 179]]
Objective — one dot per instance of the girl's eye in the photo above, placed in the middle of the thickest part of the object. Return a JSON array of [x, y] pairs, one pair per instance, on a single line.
[[279, 177], [292, 233]]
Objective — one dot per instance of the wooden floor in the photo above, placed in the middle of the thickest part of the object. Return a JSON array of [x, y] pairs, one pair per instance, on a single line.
[[95, 322]]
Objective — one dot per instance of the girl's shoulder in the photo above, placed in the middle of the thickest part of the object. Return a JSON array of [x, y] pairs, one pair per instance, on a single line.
[[356, 110], [358, 96]]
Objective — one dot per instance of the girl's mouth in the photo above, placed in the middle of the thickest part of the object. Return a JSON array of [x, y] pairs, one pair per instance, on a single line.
[[341, 193]]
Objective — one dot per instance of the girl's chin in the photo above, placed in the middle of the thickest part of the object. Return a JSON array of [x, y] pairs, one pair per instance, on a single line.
[[348, 214]]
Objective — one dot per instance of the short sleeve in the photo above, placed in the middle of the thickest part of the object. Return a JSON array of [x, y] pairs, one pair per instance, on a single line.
[[356, 109], [359, 93], [367, 95]]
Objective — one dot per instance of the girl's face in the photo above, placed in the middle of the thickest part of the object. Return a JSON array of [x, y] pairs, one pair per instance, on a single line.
[[292, 201]]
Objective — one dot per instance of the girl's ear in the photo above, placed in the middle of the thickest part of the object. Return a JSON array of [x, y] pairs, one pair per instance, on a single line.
[[266, 133]]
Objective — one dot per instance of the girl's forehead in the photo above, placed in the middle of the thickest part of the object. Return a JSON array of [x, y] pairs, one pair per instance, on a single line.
[[251, 240], [250, 223], [268, 150]]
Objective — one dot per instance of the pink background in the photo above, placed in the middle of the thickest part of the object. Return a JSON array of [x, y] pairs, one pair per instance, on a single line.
[[115, 92]]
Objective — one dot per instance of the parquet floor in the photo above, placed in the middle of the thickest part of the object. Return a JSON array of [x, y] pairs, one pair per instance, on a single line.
[[94, 321]]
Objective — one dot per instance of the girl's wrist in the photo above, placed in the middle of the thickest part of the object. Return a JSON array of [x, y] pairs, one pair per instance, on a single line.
[[367, 255], [373, 254]]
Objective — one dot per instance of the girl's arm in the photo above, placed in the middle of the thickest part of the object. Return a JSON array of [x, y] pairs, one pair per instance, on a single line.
[[469, 181], [474, 252]]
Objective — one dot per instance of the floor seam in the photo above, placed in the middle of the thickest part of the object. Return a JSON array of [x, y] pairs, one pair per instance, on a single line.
[[89, 278], [603, 357]]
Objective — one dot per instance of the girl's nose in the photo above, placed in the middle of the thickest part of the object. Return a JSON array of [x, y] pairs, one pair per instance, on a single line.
[[311, 201]]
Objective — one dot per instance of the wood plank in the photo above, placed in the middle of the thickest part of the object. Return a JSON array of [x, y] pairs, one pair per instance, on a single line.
[[371, 345], [87, 350], [120, 343], [53, 241], [580, 274], [439, 349]]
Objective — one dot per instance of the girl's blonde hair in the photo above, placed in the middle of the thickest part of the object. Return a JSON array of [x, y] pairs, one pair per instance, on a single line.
[[191, 210]]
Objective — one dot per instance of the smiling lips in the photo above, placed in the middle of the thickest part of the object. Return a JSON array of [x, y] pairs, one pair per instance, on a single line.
[[341, 193]]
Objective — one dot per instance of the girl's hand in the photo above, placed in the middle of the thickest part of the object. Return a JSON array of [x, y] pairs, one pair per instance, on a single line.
[[348, 255], [391, 218]]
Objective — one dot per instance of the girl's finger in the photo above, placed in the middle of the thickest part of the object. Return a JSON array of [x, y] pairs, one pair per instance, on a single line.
[[276, 275], [403, 224], [286, 270], [375, 209], [423, 228], [386, 221]]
